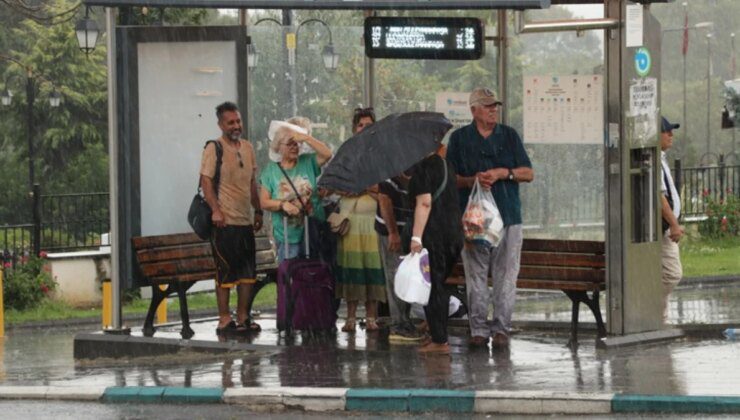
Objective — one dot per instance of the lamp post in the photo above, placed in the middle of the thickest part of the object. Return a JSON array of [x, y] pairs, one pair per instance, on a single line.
[[709, 102], [31, 84], [732, 76], [252, 53], [328, 54]]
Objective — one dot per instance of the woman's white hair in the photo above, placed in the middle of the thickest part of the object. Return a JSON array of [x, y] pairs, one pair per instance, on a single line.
[[283, 134]]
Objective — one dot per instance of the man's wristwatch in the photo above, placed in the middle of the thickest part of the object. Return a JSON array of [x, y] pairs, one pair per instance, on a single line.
[[511, 175]]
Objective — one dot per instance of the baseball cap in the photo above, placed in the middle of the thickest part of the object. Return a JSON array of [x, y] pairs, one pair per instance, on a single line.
[[483, 96], [668, 126]]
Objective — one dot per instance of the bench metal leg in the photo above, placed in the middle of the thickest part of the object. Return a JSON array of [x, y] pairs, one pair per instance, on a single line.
[[575, 298], [186, 331], [593, 304], [158, 296]]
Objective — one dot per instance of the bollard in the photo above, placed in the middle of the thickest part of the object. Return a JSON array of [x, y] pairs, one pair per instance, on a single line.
[[107, 304], [2, 306], [162, 308]]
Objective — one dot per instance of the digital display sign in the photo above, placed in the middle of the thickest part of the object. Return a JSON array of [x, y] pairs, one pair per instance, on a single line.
[[424, 38]]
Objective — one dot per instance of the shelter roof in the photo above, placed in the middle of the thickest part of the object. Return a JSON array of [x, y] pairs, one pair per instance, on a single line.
[[331, 4]]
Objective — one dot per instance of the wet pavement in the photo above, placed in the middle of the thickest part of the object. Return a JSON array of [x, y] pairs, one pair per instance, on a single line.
[[537, 360]]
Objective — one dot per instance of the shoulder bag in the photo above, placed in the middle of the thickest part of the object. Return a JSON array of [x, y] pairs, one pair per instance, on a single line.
[[199, 214]]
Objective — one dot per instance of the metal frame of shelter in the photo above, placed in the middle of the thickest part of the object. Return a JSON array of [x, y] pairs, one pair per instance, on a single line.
[[633, 268]]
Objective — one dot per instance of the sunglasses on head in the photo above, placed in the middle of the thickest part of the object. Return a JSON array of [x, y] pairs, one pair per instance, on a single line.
[[369, 111]]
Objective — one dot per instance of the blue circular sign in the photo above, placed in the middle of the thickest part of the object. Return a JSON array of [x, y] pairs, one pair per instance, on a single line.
[[642, 61]]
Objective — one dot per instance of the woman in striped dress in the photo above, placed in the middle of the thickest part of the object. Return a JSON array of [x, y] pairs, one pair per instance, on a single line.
[[360, 275]]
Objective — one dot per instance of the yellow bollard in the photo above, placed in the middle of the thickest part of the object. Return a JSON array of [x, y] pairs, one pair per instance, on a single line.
[[107, 304], [162, 309], [2, 307]]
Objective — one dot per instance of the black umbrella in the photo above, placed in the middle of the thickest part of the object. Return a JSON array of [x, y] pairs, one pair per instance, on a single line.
[[384, 150]]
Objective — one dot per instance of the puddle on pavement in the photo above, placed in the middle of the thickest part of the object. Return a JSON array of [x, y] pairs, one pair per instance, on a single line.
[[535, 361]]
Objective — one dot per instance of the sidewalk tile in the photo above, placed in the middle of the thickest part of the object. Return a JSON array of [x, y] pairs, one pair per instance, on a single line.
[[675, 404], [192, 395], [378, 400]]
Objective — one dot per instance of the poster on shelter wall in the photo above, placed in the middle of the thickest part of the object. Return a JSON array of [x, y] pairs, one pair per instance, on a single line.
[[454, 105], [180, 85], [564, 109], [642, 116]]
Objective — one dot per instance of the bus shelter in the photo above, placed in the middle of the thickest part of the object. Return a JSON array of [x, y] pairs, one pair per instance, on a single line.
[[583, 93]]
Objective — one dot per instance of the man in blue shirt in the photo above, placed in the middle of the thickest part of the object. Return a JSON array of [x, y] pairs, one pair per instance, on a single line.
[[493, 154]]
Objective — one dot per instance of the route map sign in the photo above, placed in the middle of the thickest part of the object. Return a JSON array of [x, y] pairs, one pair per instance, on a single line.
[[424, 38]]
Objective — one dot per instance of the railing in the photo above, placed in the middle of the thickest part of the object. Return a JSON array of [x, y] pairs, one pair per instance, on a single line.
[[16, 243], [61, 222], [696, 185], [73, 221]]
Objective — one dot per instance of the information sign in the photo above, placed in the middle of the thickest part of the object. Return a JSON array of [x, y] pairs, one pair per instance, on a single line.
[[424, 38]]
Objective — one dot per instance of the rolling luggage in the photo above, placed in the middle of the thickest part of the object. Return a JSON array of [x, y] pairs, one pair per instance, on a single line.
[[305, 287]]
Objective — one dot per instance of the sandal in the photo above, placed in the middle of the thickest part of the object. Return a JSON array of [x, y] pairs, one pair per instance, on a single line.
[[371, 325], [248, 326], [349, 325], [228, 329]]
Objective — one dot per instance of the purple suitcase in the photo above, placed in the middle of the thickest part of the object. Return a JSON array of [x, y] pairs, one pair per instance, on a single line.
[[305, 298]]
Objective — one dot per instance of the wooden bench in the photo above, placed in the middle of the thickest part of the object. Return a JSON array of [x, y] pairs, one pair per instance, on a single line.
[[575, 267], [179, 261]]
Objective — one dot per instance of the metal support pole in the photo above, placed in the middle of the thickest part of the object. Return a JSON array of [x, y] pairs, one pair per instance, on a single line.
[[677, 176], [113, 156], [503, 47], [721, 171], [30, 98], [732, 76], [368, 94], [288, 28], [709, 106], [36, 200], [685, 143]]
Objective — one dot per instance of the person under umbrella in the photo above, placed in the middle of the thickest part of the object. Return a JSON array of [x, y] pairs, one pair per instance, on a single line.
[[359, 274]]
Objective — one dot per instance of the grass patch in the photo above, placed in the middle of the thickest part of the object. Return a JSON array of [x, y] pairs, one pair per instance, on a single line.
[[53, 310], [710, 257]]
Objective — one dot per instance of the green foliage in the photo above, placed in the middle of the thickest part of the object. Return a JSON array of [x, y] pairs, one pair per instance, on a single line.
[[723, 218], [28, 284]]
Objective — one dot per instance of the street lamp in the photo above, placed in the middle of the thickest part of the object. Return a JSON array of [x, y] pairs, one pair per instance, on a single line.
[[87, 33], [55, 99], [252, 54], [330, 57]]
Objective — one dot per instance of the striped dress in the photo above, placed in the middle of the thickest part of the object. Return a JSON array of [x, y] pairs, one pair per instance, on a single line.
[[360, 275]]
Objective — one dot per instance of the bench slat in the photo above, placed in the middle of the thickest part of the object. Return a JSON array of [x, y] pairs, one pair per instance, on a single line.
[[563, 274], [187, 251], [563, 260], [559, 285], [197, 276], [142, 242], [557, 245], [174, 267], [182, 239]]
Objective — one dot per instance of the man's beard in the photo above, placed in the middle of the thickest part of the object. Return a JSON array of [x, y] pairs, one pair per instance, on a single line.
[[234, 135]]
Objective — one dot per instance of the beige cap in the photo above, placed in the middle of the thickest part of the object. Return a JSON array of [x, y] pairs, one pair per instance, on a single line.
[[483, 96]]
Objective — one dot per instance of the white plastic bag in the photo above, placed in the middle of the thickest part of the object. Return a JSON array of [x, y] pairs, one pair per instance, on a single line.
[[482, 222], [413, 281]]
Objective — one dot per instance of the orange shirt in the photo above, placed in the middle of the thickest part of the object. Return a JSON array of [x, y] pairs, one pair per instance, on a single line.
[[234, 188]]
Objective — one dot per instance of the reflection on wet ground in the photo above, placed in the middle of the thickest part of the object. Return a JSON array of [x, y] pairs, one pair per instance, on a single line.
[[536, 360]]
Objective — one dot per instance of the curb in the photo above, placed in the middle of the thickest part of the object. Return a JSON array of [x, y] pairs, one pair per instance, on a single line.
[[388, 400]]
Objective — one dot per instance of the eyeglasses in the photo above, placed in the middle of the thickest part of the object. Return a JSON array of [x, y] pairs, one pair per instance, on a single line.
[[239, 158], [289, 143]]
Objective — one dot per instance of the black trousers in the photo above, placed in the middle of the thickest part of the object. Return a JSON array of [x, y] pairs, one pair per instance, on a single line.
[[442, 260]]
